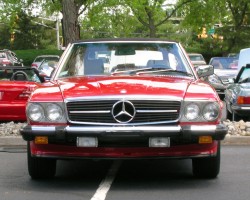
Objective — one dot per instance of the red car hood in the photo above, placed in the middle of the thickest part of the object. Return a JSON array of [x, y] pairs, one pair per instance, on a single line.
[[172, 87], [96, 86]]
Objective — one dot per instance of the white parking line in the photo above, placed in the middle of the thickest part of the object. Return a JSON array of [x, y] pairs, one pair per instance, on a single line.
[[104, 186]]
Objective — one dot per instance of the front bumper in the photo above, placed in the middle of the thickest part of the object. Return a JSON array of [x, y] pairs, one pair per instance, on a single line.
[[124, 142], [60, 133], [242, 110]]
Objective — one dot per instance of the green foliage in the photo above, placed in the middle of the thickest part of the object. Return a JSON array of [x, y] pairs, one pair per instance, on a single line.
[[232, 15], [134, 18], [22, 33], [29, 55], [5, 36], [108, 20]]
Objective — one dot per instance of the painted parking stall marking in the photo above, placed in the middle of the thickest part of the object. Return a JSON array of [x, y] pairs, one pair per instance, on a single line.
[[105, 185]]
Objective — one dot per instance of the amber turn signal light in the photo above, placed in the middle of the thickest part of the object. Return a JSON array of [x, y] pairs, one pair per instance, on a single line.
[[41, 140], [205, 139]]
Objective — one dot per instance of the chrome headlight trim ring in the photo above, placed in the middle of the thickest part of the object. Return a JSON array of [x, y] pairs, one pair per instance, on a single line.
[[50, 112], [35, 112], [54, 112], [211, 111]]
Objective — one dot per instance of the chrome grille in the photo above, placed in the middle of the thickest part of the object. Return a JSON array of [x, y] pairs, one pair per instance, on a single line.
[[100, 111]]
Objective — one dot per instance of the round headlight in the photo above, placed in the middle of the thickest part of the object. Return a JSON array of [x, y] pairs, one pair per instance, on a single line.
[[35, 112], [192, 111], [211, 112], [54, 112]]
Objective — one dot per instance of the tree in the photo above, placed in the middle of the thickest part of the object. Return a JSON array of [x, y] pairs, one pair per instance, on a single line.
[[71, 10], [109, 19], [238, 25], [5, 36], [232, 17], [150, 13], [23, 36]]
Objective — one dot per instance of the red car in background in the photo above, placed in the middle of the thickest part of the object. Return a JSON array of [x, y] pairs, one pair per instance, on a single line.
[[124, 99], [16, 85]]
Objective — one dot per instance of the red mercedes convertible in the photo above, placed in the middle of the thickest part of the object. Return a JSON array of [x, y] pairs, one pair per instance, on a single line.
[[124, 99], [16, 85]]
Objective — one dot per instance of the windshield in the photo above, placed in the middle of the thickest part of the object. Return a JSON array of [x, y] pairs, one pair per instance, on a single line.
[[86, 59], [245, 74], [224, 63], [196, 57]]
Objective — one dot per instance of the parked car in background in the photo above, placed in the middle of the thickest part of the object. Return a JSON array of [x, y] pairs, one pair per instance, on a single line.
[[39, 59], [9, 58], [197, 59], [225, 69], [148, 102], [47, 68], [16, 85], [237, 95]]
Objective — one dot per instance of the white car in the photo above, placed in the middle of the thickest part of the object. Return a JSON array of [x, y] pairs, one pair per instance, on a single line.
[[39, 59], [244, 58]]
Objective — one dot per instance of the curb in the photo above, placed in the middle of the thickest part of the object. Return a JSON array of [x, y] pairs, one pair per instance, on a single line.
[[19, 142], [16, 141], [236, 140]]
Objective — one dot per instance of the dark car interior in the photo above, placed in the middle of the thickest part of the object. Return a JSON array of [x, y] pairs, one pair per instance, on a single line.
[[19, 74]]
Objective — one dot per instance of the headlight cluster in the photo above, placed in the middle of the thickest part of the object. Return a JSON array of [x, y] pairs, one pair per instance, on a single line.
[[45, 112], [201, 111]]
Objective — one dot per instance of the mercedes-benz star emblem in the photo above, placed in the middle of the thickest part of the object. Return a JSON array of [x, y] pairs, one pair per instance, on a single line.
[[123, 111]]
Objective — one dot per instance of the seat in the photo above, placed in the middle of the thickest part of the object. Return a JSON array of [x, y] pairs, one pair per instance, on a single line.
[[93, 67], [157, 64]]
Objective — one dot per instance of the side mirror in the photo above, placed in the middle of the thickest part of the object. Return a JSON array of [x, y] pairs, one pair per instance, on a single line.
[[205, 70]]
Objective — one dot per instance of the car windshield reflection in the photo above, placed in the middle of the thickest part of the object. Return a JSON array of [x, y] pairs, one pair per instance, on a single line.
[[123, 58]]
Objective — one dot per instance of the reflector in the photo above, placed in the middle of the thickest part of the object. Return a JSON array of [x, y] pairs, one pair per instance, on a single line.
[[205, 139], [41, 140]]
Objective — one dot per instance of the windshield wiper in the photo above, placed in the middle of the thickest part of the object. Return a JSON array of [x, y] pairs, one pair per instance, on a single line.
[[130, 71], [164, 70], [158, 70]]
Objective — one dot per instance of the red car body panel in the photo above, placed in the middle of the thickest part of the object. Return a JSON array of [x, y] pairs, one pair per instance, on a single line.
[[13, 99], [64, 151], [96, 86]]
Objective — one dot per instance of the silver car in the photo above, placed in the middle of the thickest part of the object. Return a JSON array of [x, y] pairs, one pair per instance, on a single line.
[[237, 95]]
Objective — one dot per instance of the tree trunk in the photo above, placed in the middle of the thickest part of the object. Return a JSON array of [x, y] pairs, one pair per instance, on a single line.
[[71, 28]]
